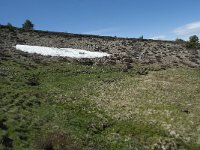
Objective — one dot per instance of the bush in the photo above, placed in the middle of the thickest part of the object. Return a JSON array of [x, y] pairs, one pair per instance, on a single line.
[[10, 26], [193, 42], [142, 70], [33, 81], [28, 25], [57, 141], [179, 40]]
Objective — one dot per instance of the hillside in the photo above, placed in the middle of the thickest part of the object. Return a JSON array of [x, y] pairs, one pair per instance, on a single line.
[[123, 50], [145, 96]]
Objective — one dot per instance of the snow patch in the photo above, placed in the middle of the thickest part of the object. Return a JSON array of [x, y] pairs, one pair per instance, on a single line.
[[64, 52]]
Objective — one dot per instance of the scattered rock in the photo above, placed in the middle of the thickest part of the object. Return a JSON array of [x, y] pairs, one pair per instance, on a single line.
[[123, 50], [165, 145], [185, 111]]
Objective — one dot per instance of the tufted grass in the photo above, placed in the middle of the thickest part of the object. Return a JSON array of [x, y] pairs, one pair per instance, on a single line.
[[97, 107]]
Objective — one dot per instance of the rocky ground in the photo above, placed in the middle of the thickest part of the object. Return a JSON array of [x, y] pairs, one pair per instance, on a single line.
[[123, 50]]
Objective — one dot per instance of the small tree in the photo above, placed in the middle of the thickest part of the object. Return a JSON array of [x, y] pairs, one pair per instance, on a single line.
[[141, 37], [193, 42], [28, 25], [194, 39], [10, 26]]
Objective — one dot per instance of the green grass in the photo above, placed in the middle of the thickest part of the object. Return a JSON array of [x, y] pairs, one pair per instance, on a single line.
[[97, 107]]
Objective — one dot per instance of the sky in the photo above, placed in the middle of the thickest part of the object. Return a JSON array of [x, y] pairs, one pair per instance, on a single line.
[[155, 19]]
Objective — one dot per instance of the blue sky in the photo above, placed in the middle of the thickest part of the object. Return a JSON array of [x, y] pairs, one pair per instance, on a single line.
[[157, 19]]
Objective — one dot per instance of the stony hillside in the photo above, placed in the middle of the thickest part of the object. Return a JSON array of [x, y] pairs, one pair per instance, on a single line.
[[124, 50], [134, 102]]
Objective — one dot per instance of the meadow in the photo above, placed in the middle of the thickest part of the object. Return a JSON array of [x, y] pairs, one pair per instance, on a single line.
[[54, 104]]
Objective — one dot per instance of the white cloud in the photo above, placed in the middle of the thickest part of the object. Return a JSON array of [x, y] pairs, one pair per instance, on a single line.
[[159, 37], [101, 31], [190, 28]]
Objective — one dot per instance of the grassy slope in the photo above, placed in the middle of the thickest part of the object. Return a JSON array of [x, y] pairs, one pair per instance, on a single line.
[[97, 107]]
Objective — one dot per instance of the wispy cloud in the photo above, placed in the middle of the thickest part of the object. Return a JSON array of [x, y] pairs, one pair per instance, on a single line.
[[101, 31], [159, 37], [190, 28], [182, 32]]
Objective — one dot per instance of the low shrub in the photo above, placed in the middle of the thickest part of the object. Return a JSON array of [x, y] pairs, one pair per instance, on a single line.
[[57, 141], [33, 81]]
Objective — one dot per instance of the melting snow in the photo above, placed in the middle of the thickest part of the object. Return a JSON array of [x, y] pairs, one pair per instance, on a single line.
[[64, 52]]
